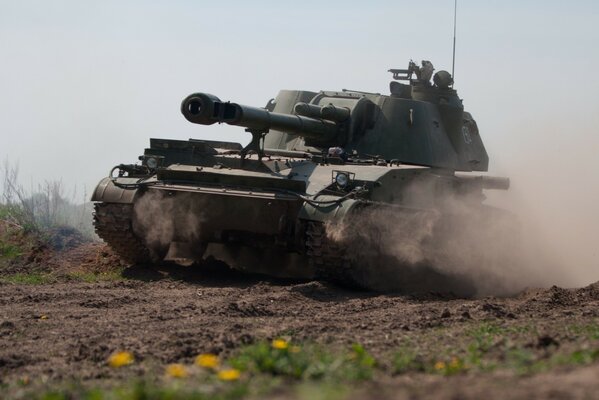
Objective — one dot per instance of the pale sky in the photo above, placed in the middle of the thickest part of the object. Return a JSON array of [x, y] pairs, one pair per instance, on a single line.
[[84, 84]]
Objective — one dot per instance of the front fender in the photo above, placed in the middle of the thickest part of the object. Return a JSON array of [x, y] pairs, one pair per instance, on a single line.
[[108, 192], [336, 211]]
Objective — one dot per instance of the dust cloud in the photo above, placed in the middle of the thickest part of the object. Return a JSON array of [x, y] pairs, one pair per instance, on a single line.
[[460, 248], [498, 249], [161, 219], [551, 156], [557, 209]]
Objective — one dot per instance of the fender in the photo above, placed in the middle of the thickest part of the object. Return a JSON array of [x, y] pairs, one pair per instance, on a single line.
[[108, 192], [335, 211]]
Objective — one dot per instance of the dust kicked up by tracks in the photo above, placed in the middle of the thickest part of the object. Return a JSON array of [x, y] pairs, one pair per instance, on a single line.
[[66, 330]]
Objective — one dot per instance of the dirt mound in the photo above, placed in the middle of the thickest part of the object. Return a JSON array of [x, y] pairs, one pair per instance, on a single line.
[[21, 250], [60, 250], [93, 257]]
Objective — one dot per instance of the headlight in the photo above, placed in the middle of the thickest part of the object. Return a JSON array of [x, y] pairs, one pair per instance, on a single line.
[[342, 179], [152, 163]]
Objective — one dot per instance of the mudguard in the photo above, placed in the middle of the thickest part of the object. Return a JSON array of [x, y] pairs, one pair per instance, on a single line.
[[108, 192], [323, 213]]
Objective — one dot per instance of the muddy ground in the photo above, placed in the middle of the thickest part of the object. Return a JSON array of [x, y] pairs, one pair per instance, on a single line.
[[65, 330]]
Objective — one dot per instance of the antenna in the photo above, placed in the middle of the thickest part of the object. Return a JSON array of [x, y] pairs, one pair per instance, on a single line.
[[455, 13]]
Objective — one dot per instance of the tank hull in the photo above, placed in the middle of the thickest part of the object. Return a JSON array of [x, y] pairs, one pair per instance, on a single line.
[[398, 229]]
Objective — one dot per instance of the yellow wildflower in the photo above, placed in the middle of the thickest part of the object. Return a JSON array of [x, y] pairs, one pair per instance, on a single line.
[[207, 360], [230, 374], [280, 344], [439, 365], [120, 359], [176, 371]]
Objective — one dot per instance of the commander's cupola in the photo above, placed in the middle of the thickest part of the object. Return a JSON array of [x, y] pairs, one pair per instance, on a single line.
[[419, 85]]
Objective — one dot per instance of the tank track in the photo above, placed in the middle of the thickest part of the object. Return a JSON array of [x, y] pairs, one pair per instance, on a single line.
[[113, 223], [328, 259]]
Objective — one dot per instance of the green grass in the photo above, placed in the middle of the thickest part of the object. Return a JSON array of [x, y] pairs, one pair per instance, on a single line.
[[589, 331], [308, 362], [40, 278], [493, 347], [10, 244], [33, 278], [92, 277], [578, 357], [9, 251], [407, 359], [525, 362], [8, 211], [307, 371], [312, 371]]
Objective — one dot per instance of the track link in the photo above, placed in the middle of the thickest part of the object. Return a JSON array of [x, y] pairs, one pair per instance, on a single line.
[[328, 259], [113, 223]]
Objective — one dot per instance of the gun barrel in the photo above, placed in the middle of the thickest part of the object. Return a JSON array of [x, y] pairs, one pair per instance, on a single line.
[[206, 109]]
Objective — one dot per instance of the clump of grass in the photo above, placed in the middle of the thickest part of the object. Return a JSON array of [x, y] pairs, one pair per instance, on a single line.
[[590, 331], [485, 336], [42, 278], [408, 360], [524, 361], [32, 278], [93, 277], [9, 251], [280, 358], [578, 357], [13, 242]]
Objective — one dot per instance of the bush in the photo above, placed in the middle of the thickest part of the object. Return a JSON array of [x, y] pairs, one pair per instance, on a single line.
[[47, 210]]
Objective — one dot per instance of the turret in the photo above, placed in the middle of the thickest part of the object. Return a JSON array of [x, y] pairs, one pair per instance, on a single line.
[[419, 123]]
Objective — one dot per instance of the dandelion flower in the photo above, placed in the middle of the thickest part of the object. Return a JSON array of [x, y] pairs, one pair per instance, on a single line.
[[280, 344], [120, 359], [207, 360], [176, 371], [439, 365], [230, 374]]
